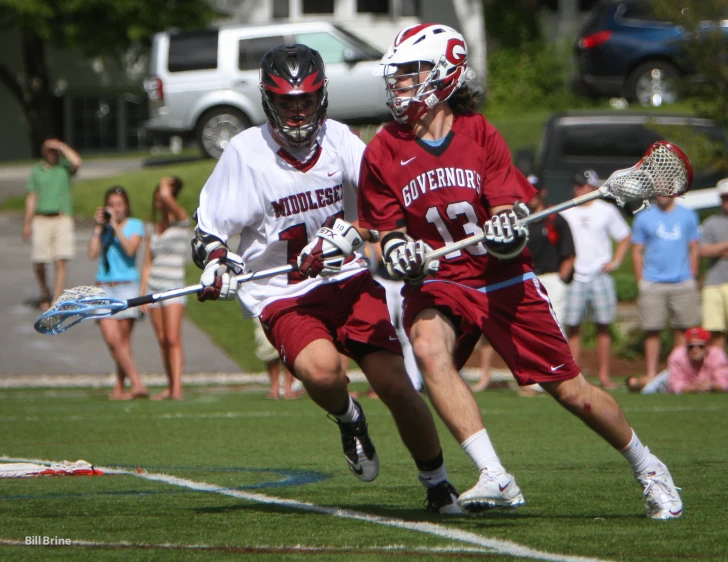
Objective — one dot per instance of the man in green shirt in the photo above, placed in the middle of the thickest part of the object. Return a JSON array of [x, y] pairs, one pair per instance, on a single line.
[[48, 220]]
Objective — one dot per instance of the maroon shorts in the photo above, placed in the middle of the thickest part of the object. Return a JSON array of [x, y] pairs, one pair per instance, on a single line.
[[516, 318], [352, 315]]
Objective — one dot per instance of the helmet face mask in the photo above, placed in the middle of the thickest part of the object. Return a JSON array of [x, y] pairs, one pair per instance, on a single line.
[[433, 48], [293, 89]]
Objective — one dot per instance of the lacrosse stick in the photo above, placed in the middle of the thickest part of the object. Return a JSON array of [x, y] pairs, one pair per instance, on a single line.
[[92, 303], [665, 170]]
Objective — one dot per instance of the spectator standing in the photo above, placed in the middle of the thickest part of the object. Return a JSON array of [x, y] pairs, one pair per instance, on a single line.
[[552, 248], [714, 245], [695, 367], [115, 242], [594, 225], [48, 221], [167, 247], [665, 246]]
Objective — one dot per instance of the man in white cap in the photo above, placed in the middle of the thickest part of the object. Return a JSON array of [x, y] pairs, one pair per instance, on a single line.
[[714, 245], [594, 226]]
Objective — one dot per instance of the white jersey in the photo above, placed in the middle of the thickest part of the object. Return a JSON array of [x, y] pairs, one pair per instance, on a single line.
[[276, 205]]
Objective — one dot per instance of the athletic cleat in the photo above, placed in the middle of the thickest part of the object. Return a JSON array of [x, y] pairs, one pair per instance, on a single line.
[[494, 489], [662, 500], [443, 498], [358, 448]]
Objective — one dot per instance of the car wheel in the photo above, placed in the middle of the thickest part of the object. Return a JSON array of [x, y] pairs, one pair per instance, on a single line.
[[653, 83], [217, 127]]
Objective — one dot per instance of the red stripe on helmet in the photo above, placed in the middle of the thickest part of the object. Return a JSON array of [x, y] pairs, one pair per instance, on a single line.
[[279, 86], [410, 32], [311, 83]]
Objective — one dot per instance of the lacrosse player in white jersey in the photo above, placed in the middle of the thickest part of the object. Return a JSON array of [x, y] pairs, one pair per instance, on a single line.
[[287, 188]]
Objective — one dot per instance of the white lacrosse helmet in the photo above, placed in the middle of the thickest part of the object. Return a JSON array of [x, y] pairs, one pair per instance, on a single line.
[[442, 47]]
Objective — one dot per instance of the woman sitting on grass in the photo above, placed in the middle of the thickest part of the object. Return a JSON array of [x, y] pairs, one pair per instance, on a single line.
[[167, 247], [115, 241]]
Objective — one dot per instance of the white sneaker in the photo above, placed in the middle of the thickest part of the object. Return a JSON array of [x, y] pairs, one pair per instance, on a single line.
[[662, 500], [494, 489]]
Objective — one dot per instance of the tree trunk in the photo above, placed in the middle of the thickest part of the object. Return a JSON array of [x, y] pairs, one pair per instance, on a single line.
[[37, 102]]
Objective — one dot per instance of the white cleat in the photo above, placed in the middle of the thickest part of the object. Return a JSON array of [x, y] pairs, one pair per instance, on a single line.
[[494, 489], [662, 500]]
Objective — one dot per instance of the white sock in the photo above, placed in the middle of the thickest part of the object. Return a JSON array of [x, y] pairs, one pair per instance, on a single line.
[[480, 449], [351, 414], [431, 478], [637, 455]]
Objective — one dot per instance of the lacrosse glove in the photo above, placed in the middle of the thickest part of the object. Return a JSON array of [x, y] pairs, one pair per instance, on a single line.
[[505, 236], [406, 258], [218, 278], [333, 246]]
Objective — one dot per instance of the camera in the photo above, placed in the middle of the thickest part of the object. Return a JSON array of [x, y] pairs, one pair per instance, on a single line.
[[107, 216]]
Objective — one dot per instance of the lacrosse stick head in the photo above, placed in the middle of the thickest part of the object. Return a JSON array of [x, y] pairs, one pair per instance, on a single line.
[[76, 305], [665, 170]]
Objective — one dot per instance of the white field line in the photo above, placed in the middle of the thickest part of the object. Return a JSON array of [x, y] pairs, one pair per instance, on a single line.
[[106, 380], [267, 414], [506, 548], [292, 549]]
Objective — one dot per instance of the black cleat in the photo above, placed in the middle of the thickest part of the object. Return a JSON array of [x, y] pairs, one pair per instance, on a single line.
[[358, 447], [443, 499]]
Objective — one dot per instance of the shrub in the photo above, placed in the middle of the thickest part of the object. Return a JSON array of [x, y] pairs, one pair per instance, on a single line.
[[536, 75]]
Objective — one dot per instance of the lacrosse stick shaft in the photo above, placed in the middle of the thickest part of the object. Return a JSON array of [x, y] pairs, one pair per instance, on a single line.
[[471, 240], [192, 289]]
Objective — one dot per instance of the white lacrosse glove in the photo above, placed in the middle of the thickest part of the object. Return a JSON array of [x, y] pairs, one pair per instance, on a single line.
[[330, 250], [505, 236], [406, 258], [218, 278]]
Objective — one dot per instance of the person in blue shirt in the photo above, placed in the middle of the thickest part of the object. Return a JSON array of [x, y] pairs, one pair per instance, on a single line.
[[665, 250], [115, 242]]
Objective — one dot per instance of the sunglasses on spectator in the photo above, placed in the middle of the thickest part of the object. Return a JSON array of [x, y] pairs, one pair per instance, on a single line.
[[699, 345]]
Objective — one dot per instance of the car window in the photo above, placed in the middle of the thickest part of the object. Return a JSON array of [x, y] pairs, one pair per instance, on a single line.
[[251, 51], [371, 53], [596, 21], [332, 48], [607, 141], [194, 50]]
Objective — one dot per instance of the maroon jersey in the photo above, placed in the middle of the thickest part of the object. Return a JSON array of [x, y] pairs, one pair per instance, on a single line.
[[443, 194]]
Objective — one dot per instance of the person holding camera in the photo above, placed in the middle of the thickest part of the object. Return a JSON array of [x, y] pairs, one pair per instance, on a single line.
[[167, 246], [115, 242]]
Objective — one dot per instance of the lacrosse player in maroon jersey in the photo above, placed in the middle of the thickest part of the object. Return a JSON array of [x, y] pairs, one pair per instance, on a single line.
[[286, 188], [437, 174]]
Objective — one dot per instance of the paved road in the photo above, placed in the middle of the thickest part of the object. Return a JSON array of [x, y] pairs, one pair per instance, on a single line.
[[80, 349]]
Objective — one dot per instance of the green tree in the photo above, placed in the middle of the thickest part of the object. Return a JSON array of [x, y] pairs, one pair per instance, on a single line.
[[707, 53], [108, 29], [511, 24]]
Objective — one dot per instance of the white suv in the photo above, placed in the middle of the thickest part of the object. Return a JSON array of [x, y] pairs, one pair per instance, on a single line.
[[205, 83]]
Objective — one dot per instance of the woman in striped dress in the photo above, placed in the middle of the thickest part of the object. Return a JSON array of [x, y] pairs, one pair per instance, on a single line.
[[167, 247]]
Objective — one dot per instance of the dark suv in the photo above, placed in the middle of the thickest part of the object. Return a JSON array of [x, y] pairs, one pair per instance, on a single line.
[[607, 141], [624, 51]]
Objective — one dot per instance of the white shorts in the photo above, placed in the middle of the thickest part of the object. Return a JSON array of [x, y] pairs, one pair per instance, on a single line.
[[123, 292], [159, 289]]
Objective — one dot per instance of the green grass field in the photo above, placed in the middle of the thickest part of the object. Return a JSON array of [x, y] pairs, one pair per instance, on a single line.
[[582, 499]]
